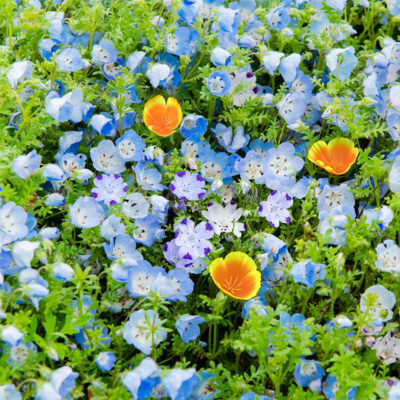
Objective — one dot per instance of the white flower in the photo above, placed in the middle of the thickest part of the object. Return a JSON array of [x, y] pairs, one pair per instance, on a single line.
[[224, 219], [387, 348]]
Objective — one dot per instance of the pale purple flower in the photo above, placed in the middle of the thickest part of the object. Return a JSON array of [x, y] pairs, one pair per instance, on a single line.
[[188, 186], [193, 240], [109, 188], [387, 348], [275, 209]]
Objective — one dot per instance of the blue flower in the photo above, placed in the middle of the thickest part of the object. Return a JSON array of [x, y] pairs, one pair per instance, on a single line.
[[394, 176], [393, 122], [131, 146], [289, 67], [106, 158], [63, 272], [214, 165], [47, 47], [105, 360], [219, 83], [308, 272], [113, 70], [26, 165], [275, 209], [383, 302], [181, 40], [148, 178], [193, 126], [291, 107], [188, 327], [341, 62], [63, 380], [309, 373], [103, 124], [271, 61], [12, 336], [69, 107], [231, 142], [13, 223], [143, 329], [280, 166], [122, 246], [141, 278], [331, 387], [157, 73], [69, 60], [19, 71], [104, 53], [187, 186], [180, 383], [138, 62], [135, 206], [111, 227], [204, 390], [388, 256], [9, 392], [141, 381], [278, 18], [145, 230], [220, 57], [86, 213]]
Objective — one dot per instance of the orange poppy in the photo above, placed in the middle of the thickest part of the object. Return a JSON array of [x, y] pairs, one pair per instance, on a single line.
[[336, 157], [237, 275], [162, 117]]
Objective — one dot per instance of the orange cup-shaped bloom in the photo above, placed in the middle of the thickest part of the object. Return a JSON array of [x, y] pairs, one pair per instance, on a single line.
[[162, 117], [336, 157], [237, 275]]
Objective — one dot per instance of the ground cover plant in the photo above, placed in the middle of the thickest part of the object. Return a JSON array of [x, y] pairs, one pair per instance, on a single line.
[[199, 199]]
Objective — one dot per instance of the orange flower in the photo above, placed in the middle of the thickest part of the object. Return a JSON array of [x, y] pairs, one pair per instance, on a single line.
[[237, 275], [160, 117], [336, 157]]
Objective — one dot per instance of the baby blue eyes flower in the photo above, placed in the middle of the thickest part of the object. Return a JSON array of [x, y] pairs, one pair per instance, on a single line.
[[106, 158], [143, 379], [188, 327], [131, 146], [26, 165], [278, 18], [220, 57], [157, 73], [187, 186], [63, 272], [271, 61], [69, 60], [383, 302], [219, 83], [70, 107], [86, 213], [109, 188], [104, 53], [331, 387], [135, 206], [105, 360], [275, 209], [231, 142], [13, 223], [394, 176], [181, 40], [180, 383], [144, 329], [193, 126], [9, 392], [254, 396], [341, 62], [12, 336], [19, 71], [291, 107], [148, 178], [308, 272], [309, 373], [289, 67], [103, 124]]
